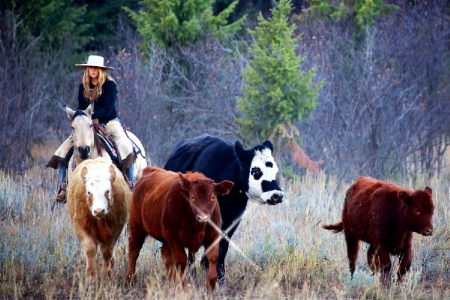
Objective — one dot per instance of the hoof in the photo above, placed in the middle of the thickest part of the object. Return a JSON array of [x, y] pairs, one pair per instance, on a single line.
[[221, 283]]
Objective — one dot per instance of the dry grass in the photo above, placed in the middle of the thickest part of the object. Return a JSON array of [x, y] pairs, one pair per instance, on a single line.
[[280, 251]]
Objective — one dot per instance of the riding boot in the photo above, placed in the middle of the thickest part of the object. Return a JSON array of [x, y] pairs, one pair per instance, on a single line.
[[61, 194], [131, 176]]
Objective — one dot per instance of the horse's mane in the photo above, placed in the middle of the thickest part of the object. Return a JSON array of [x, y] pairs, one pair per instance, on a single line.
[[79, 112], [98, 143]]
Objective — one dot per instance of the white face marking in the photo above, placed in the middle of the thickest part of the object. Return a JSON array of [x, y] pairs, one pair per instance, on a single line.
[[263, 168], [98, 187], [82, 134]]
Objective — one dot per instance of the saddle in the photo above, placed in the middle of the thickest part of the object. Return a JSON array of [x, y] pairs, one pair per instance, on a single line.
[[110, 145], [111, 148]]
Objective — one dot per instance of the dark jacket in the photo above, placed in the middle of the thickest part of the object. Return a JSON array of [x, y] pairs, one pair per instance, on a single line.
[[104, 106]]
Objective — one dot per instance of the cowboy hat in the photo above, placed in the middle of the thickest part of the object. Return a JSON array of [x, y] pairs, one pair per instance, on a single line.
[[95, 61]]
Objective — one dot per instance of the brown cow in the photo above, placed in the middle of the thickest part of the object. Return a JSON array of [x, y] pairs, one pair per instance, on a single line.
[[384, 216], [181, 211], [98, 200]]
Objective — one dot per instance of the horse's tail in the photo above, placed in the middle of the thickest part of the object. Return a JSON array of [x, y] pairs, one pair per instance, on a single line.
[[338, 227]]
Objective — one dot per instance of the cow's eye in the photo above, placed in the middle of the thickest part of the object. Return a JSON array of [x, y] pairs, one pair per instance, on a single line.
[[192, 198], [417, 211], [256, 173], [73, 129], [89, 193], [269, 164], [90, 126], [213, 198]]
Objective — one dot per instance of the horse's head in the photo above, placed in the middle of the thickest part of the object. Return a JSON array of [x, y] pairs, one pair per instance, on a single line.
[[82, 132]]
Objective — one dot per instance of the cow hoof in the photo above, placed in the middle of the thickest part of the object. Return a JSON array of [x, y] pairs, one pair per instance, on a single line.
[[126, 289], [221, 284], [89, 284]]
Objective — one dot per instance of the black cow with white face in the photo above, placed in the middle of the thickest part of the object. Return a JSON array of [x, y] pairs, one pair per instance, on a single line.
[[252, 171]]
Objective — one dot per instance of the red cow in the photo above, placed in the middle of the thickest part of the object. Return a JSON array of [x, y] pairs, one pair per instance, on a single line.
[[384, 216], [181, 211]]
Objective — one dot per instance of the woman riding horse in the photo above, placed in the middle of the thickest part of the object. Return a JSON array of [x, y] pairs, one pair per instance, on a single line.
[[99, 89]]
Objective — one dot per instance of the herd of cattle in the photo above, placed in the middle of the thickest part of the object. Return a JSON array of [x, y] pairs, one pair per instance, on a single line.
[[199, 196]]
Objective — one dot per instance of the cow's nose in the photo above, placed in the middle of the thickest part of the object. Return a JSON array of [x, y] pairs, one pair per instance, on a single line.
[[275, 199], [202, 218], [99, 212]]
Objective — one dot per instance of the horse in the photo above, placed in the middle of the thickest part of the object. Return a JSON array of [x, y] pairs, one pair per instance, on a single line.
[[88, 145]]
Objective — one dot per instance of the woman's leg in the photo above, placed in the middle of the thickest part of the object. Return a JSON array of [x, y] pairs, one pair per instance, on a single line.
[[60, 154], [124, 147], [59, 161]]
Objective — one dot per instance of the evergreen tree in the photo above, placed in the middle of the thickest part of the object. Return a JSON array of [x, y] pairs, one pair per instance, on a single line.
[[181, 21], [277, 92], [362, 12], [45, 23], [103, 16]]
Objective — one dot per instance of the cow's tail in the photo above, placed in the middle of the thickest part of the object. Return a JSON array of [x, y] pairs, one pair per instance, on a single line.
[[338, 227]]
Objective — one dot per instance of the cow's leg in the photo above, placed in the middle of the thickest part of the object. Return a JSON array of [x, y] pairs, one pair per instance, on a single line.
[[191, 264], [135, 242], [108, 263], [213, 256], [383, 263], [167, 258], [179, 260], [223, 249], [352, 252], [89, 247], [405, 264], [371, 259]]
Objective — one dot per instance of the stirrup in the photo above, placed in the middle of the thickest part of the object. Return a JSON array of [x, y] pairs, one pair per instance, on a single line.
[[61, 194]]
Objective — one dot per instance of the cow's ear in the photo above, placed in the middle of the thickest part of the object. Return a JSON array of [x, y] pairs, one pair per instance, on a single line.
[[402, 195], [224, 187], [268, 144], [84, 172], [69, 112], [112, 170], [239, 149], [429, 190], [241, 153], [185, 182]]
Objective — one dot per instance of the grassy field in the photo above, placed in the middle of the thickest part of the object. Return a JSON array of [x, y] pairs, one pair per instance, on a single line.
[[279, 251]]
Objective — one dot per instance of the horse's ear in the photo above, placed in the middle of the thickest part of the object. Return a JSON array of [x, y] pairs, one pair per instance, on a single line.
[[89, 110], [69, 112]]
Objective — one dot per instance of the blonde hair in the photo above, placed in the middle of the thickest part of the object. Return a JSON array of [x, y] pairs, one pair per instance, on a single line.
[[92, 94]]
